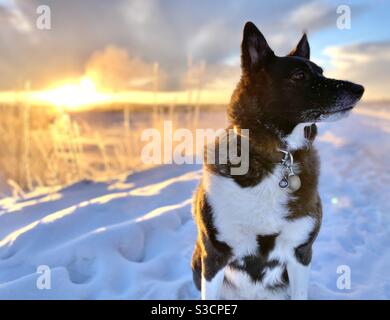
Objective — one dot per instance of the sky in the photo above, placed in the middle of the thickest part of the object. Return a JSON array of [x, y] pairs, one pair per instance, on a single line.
[[120, 42]]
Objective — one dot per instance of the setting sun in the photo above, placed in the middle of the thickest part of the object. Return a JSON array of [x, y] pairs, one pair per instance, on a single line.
[[73, 95]]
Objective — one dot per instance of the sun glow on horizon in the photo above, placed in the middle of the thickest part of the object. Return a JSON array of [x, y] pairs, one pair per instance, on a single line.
[[73, 95], [76, 94]]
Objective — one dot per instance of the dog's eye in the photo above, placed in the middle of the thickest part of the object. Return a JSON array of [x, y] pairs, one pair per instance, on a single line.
[[299, 75]]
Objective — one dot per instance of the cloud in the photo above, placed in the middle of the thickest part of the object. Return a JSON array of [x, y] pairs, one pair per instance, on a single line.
[[365, 63], [313, 15], [163, 31], [113, 68], [221, 77], [16, 18]]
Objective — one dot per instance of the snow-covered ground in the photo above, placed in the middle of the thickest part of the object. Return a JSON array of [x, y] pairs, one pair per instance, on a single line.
[[133, 238]]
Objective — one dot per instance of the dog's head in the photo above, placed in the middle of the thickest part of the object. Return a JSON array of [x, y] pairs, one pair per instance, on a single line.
[[290, 89]]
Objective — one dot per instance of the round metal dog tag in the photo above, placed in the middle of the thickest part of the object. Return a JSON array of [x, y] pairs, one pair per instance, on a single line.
[[294, 183]]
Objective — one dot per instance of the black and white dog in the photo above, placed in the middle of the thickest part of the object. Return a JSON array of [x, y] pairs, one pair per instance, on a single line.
[[256, 230]]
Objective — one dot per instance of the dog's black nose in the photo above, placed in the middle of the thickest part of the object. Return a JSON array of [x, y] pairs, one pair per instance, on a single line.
[[357, 89]]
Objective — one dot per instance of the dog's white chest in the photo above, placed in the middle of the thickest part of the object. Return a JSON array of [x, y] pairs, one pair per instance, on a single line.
[[240, 214]]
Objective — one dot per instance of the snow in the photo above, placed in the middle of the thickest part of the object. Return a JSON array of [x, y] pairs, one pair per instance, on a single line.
[[133, 238]]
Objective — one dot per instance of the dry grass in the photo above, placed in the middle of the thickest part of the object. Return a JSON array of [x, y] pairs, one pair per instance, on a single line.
[[47, 147], [43, 147]]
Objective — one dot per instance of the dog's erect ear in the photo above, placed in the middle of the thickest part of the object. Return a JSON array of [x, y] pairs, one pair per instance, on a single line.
[[302, 49], [254, 48]]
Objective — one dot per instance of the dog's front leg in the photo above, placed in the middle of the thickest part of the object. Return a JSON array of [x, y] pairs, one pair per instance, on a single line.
[[211, 289], [298, 275]]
